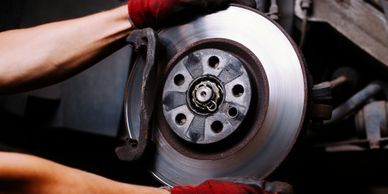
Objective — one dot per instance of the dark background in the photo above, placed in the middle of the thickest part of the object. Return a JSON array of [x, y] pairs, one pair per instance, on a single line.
[[84, 113]]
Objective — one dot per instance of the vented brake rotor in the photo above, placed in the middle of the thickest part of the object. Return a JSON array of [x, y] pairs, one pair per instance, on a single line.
[[233, 101]]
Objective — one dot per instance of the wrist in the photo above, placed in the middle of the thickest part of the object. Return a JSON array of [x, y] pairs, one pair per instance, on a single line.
[[129, 188], [164, 190], [123, 16]]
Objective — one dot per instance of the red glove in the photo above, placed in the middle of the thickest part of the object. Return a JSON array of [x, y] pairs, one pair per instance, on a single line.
[[219, 187], [158, 13]]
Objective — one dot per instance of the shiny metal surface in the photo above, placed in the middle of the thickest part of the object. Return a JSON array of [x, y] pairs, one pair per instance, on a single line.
[[287, 98]]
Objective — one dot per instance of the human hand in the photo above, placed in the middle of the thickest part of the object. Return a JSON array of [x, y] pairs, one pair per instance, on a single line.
[[160, 13], [235, 186]]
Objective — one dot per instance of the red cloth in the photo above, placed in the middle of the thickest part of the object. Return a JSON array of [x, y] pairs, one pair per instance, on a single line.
[[156, 13], [146, 13], [218, 187]]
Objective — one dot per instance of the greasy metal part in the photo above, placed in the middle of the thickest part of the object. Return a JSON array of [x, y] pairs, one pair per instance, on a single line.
[[357, 20], [321, 108], [206, 96], [355, 102], [352, 145], [338, 81], [372, 120], [322, 91], [346, 76], [322, 94], [274, 136], [372, 127], [139, 98]]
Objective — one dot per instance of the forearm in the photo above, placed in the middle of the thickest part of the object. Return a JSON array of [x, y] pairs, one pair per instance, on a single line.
[[21, 173], [46, 54]]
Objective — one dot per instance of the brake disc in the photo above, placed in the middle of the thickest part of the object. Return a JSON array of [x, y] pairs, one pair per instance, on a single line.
[[233, 101]]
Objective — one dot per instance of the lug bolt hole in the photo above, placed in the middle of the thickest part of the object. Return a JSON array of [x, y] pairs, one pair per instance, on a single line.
[[238, 90], [233, 112], [217, 127], [214, 62], [180, 119], [179, 80]]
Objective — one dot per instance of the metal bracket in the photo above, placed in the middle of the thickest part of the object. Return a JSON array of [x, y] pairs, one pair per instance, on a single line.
[[361, 23], [140, 94]]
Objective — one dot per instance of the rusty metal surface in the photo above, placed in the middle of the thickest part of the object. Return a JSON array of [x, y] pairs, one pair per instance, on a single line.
[[359, 21], [139, 100]]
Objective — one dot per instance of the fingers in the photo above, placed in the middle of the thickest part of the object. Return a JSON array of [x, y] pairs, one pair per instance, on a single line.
[[162, 13]]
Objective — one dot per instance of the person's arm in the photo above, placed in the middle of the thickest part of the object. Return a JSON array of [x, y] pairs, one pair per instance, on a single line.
[[24, 174], [46, 54], [39, 56], [21, 173]]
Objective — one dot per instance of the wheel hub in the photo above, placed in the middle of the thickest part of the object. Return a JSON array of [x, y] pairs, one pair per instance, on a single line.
[[206, 96]]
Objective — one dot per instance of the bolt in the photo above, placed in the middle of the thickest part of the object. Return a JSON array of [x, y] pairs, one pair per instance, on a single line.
[[204, 94]]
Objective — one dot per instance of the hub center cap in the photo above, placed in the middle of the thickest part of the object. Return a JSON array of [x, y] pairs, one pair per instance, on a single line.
[[205, 95]]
